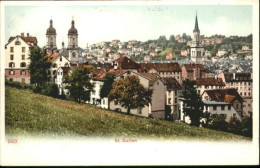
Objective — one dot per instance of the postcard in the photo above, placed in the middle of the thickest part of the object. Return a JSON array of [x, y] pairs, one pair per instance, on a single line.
[[95, 83]]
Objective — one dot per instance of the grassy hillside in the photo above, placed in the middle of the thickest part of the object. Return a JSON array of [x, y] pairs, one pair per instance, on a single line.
[[29, 113]]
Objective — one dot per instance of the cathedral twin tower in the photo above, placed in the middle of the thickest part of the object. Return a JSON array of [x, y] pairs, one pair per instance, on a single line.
[[73, 50]]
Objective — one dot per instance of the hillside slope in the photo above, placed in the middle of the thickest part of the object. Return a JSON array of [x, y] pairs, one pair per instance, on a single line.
[[30, 113]]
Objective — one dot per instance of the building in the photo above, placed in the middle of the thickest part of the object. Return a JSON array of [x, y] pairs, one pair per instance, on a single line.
[[62, 72], [226, 96], [173, 91], [165, 70], [17, 52], [51, 46], [156, 109], [73, 44], [196, 50], [243, 83], [193, 71], [126, 63], [203, 84], [226, 110]]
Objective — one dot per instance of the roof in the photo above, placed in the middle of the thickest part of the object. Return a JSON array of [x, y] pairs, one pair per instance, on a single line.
[[210, 81], [126, 63], [53, 56], [224, 95], [151, 76], [73, 30], [229, 77], [196, 28], [172, 84], [27, 39], [190, 67], [162, 67], [206, 102], [51, 30]]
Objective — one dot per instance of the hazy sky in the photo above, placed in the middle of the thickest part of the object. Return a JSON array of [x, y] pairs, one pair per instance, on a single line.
[[96, 23]]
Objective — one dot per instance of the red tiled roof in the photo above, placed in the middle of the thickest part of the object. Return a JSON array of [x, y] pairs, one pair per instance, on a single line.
[[190, 67], [126, 63], [162, 67], [210, 81], [224, 95], [172, 84], [53, 56]]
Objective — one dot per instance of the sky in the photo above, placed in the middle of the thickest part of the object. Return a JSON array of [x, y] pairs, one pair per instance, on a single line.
[[96, 23]]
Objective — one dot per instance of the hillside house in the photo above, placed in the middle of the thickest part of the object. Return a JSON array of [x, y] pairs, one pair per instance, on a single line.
[[203, 84]]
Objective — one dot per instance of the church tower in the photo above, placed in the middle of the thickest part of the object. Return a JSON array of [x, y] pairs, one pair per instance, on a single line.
[[73, 44], [196, 50], [51, 39]]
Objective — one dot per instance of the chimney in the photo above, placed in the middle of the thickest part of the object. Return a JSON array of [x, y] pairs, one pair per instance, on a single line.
[[27, 34], [22, 34]]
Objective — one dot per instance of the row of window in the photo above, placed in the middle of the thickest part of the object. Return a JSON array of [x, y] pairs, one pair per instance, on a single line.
[[169, 93], [22, 72], [222, 107], [22, 80], [12, 49], [241, 83], [12, 57], [12, 64], [245, 94], [170, 73]]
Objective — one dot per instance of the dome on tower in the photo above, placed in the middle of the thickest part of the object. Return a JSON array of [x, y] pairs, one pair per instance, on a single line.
[[51, 30], [73, 30]]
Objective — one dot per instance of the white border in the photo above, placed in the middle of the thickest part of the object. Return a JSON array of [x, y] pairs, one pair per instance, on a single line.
[[43, 151]]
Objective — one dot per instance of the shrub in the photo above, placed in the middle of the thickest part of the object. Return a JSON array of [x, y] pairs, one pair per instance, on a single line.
[[234, 126], [246, 125], [51, 90], [17, 84], [218, 123]]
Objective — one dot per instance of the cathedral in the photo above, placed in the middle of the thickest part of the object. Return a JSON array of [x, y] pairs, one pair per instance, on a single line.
[[196, 50], [72, 51]]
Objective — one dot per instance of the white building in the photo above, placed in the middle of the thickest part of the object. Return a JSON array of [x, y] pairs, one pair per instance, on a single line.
[[17, 52], [60, 77]]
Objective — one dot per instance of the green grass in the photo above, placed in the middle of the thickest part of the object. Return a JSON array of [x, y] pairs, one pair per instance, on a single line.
[[35, 114]]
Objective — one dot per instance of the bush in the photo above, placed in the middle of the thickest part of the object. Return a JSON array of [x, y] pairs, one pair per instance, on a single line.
[[17, 84], [234, 126], [51, 90], [218, 123], [247, 126]]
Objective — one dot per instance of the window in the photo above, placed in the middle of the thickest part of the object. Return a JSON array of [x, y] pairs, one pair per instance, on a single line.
[[11, 72], [229, 107], [169, 101], [23, 49], [122, 77], [249, 94], [54, 72], [199, 92], [11, 49], [214, 108], [236, 106], [175, 92], [54, 65], [139, 110], [234, 115], [11, 65], [60, 59], [23, 80], [249, 83], [169, 93], [23, 72], [176, 100], [157, 82], [222, 107], [11, 79], [249, 105], [23, 57], [11, 57], [23, 64], [17, 42]]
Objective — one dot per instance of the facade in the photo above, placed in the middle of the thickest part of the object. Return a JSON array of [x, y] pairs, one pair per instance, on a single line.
[[165, 70], [60, 77], [173, 91], [227, 96], [193, 71], [243, 83], [196, 50], [17, 52], [223, 109], [51, 46], [156, 109], [203, 84]]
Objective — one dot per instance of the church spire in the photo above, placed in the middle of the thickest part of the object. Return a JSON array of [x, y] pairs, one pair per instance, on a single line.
[[196, 28]]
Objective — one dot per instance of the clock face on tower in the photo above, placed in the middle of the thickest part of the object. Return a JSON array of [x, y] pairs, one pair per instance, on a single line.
[[73, 54]]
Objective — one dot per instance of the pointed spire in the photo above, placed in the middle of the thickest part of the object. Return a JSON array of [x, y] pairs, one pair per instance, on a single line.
[[51, 23], [196, 28], [72, 22]]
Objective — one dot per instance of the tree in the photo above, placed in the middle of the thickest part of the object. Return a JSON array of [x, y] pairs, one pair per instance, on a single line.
[[107, 86], [51, 90], [234, 125], [246, 125], [39, 67], [218, 123], [78, 84], [193, 105], [130, 93]]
